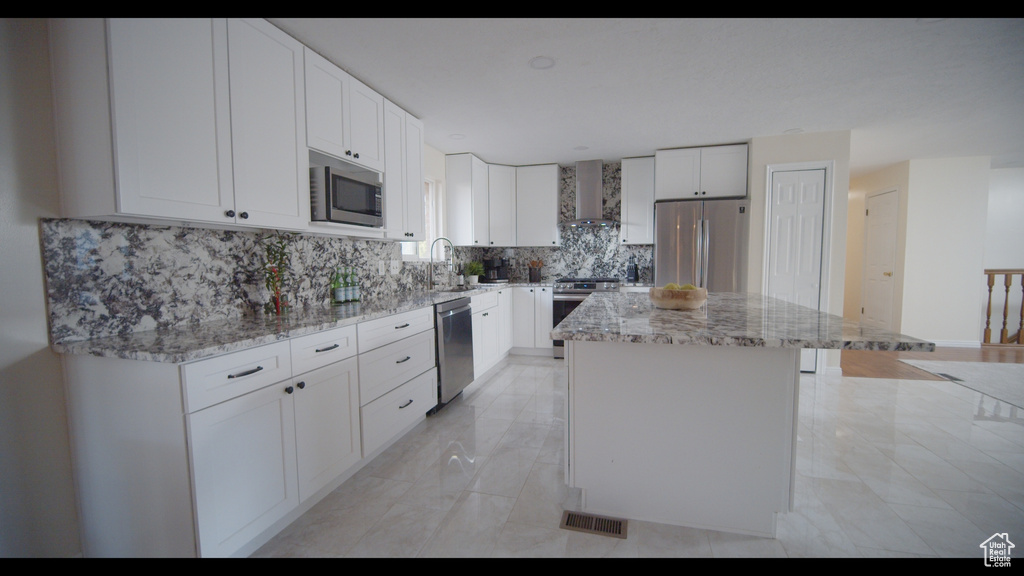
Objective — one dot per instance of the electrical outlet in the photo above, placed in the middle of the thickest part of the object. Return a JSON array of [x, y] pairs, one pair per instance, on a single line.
[[380, 268], [396, 266]]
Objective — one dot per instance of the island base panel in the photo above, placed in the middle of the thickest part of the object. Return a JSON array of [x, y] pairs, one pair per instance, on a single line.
[[700, 436]]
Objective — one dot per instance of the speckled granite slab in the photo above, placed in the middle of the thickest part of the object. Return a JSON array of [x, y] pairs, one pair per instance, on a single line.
[[726, 319], [205, 339]]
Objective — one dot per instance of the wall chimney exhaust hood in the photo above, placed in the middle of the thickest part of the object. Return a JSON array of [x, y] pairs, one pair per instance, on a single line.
[[589, 195]]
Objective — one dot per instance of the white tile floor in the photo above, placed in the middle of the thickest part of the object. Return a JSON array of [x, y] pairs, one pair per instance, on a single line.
[[886, 468]]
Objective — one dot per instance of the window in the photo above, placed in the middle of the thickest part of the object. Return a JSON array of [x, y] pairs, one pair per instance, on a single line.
[[433, 225]]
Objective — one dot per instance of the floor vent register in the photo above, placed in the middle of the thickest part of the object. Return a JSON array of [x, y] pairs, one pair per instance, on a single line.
[[593, 524]]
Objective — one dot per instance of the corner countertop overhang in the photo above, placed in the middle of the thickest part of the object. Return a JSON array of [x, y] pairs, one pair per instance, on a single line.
[[726, 319], [206, 339]]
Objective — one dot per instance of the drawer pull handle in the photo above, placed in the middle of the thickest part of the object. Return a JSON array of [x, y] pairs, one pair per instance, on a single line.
[[406, 325], [406, 359], [246, 373], [406, 404], [328, 348]]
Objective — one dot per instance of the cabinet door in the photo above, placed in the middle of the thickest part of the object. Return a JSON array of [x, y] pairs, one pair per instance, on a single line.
[[326, 104], [637, 201], [485, 340], [481, 217], [723, 171], [537, 205], [504, 313], [501, 194], [543, 309], [244, 466], [268, 126], [395, 161], [326, 424], [677, 174], [415, 227], [459, 198], [366, 126], [168, 82], [524, 317]]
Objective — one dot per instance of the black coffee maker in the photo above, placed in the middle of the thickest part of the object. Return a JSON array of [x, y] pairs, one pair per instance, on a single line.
[[496, 270]]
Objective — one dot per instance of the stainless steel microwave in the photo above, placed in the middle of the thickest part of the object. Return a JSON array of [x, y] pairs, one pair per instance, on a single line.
[[343, 192]]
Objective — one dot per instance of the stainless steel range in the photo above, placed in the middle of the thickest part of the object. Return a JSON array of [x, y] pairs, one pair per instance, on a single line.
[[569, 293]]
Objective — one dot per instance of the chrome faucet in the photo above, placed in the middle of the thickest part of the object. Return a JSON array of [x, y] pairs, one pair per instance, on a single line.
[[451, 263]]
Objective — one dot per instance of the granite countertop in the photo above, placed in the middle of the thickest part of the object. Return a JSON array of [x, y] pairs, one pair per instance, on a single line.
[[202, 340], [727, 319]]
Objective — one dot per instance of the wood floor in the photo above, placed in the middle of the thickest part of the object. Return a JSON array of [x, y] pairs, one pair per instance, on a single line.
[[887, 364]]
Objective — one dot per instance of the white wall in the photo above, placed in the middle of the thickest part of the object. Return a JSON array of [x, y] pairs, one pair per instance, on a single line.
[[1003, 245], [801, 148], [947, 206], [37, 506]]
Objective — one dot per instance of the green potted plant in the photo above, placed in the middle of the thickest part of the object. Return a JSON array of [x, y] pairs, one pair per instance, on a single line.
[[275, 264], [473, 272]]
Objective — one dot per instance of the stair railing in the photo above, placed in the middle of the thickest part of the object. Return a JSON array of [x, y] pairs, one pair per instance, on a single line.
[[1004, 335]]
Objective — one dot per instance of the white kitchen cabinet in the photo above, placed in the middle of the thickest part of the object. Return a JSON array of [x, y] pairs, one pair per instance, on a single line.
[[403, 175], [467, 200], [707, 172], [537, 205], [397, 376], [244, 465], [486, 336], [268, 125], [533, 316], [637, 224], [504, 321], [345, 118], [501, 205], [156, 121]]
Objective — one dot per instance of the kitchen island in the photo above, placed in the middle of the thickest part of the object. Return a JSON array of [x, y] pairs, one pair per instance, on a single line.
[[689, 417]]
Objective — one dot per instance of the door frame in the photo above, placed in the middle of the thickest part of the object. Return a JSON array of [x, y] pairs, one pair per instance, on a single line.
[[826, 235]]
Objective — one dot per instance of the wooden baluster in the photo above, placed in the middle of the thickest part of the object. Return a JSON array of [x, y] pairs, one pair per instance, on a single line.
[[1007, 280], [988, 312], [1020, 325]]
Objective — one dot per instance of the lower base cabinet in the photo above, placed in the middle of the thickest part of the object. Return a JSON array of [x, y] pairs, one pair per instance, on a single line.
[[533, 317], [210, 458]]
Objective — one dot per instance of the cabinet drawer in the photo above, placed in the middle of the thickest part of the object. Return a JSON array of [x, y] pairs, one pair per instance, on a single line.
[[388, 415], [377, 333], [484, 301], [385, 368], [221, 378], [323, 348]]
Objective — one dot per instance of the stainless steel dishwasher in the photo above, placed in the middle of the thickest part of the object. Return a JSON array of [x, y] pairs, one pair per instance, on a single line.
[[454, 330]]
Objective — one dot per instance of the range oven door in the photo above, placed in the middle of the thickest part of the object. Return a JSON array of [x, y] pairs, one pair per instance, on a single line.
[[563, 304]]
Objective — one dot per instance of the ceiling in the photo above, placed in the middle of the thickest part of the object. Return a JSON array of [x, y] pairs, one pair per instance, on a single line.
[[905, 88]]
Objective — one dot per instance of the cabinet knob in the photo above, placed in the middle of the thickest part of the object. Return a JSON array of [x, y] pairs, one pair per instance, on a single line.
[[230, 213], [356, 155], [696, 193], [703, 192], [289, 389], [301, 385], [348, 152], [244, 215]]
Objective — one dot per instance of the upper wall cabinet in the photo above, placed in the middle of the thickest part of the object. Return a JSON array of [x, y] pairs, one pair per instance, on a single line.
[[466, 179], [200, 120], [709, 172], [344, 117], [637, 225], [537, 205], [403, 175], [501, 204]]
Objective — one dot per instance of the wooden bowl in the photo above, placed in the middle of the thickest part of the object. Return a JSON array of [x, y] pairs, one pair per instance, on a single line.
[[678, 299]]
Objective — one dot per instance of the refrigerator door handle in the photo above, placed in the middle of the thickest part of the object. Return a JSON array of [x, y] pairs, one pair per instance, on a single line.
[[698, 239], [704, 259]]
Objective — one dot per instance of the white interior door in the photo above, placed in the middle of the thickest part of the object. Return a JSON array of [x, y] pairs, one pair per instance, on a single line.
[[879, 260], [796, 231]]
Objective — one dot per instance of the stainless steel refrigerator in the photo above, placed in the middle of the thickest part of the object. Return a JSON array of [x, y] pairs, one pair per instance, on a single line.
[[702, 242]]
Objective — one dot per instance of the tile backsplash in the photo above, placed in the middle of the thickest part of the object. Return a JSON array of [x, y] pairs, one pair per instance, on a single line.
[[106, 278]]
